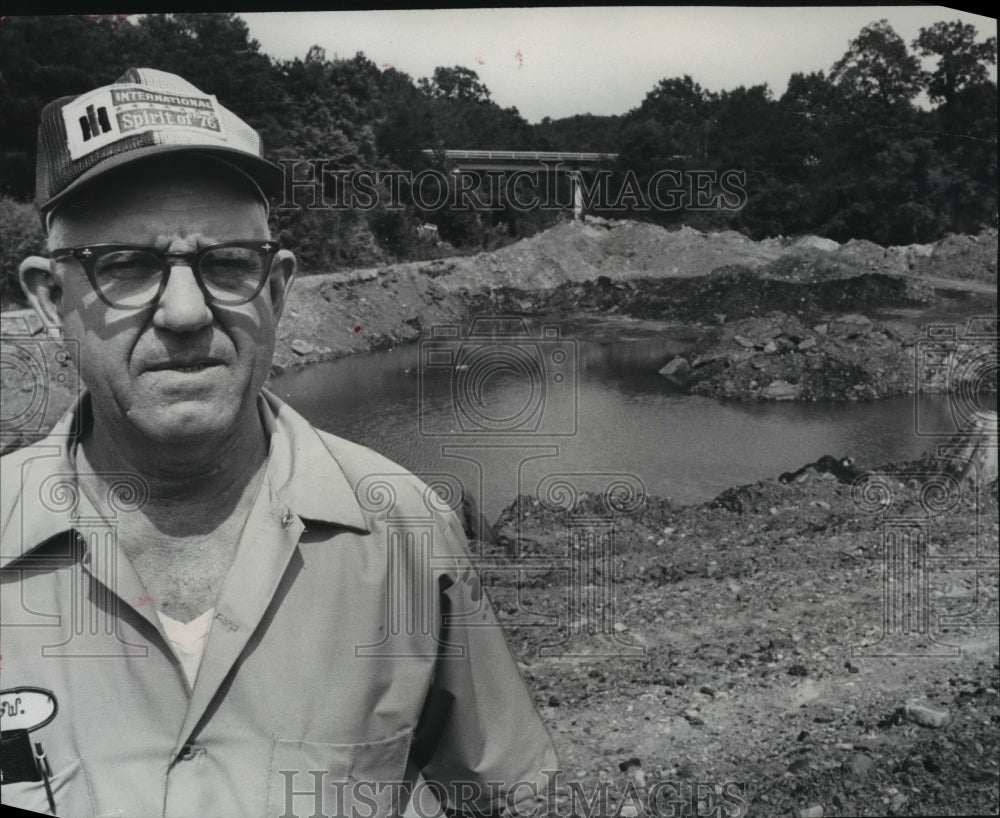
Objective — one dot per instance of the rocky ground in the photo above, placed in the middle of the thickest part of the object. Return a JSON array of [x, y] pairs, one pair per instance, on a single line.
[[723, 649]]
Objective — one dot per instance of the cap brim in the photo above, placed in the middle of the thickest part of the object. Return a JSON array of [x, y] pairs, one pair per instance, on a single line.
[[267, 176]]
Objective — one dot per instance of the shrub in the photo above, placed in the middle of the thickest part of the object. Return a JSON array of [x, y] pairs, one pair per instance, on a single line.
[[21, 235]]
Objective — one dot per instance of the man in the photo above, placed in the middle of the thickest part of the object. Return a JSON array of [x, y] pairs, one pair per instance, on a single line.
[[209, 607]]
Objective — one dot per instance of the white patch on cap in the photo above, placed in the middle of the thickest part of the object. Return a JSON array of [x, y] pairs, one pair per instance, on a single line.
[[26, 708], [114, 112]]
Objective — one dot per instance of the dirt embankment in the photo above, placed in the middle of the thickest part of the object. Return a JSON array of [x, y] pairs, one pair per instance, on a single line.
[[794, 638], [774, 320], [777, 319]]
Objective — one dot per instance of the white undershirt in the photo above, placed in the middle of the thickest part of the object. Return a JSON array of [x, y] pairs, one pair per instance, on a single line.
[[188, 640]]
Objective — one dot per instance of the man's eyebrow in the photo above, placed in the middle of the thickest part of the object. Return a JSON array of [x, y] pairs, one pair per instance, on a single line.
[[198, 241]]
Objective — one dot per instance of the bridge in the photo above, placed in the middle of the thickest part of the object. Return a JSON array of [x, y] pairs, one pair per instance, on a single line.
[[523, 160], [572, 163]]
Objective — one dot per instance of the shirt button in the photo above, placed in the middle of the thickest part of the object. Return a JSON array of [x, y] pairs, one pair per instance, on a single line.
[[287, 519], [189, 751]]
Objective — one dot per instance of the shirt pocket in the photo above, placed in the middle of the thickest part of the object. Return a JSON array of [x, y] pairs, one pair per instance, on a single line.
[[315, 778], [70, 791]]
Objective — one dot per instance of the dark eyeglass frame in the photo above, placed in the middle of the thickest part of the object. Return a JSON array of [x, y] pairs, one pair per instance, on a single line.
[[88, 255]]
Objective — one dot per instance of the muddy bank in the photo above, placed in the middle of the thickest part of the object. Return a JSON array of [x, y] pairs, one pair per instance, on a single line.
[[780, 319], [742, 640], [641, 271], [802, 320]]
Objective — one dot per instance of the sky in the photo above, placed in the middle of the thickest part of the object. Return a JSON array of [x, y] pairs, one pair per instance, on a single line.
[[562, 61]]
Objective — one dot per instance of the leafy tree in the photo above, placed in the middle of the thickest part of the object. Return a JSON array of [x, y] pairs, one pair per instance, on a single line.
[[878, 68], [581, 132], [458, 84], [681, 107], [215, 52], [961, 60], [42, 59], [22, 236]]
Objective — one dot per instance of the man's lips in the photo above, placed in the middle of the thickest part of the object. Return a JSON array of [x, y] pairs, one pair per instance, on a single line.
[[183, 365]]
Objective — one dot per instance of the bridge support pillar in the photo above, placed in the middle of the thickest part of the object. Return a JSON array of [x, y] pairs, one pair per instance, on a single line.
[[574, 180]]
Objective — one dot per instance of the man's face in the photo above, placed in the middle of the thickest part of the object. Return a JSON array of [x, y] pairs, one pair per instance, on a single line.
[[180, 370]]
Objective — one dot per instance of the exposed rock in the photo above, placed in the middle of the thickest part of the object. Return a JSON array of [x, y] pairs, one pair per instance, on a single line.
[[850, 326], [816, 243], [973, 452], [854, 318], [926, 716], [781, 390], [859, 766], [842, 468], [677, 371], [300, 347]]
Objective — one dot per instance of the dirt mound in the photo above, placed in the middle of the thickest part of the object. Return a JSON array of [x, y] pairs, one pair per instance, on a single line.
[[730, 646], [581, 251], [625, 249], [778, 357], [961, 257]]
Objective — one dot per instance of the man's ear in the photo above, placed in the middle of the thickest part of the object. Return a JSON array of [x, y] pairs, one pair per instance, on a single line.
[[43, 288], [280, 280]]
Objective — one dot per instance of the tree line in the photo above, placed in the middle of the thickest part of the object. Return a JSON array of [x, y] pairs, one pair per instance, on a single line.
[[846, 153]]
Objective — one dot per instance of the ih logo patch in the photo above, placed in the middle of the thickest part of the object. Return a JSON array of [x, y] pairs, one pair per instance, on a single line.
[[108, 114]]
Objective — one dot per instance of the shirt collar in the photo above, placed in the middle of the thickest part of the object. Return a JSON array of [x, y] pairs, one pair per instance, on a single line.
[[302, 471]]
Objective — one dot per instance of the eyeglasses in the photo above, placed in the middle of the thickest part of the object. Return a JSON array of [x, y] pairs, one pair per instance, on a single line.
[[130, 276]]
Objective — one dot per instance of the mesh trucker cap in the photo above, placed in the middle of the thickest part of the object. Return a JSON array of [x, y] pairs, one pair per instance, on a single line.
[[144, 113]]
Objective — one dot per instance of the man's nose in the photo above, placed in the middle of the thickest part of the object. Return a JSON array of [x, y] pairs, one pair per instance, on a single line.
[[182, 306]]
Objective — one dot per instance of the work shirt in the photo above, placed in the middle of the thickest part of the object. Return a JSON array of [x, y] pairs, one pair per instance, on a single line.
[[351, 648]]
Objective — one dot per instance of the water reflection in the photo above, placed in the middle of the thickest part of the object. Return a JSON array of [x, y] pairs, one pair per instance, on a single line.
[[615, 416]]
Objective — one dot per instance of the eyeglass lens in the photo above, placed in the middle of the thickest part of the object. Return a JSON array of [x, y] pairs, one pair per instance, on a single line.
[[132, 277]]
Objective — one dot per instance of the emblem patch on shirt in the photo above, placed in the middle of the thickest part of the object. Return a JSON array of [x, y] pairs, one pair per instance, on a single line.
[[26, 708]]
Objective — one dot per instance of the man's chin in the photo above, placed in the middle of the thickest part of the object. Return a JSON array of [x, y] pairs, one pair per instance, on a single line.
[[186, 423]]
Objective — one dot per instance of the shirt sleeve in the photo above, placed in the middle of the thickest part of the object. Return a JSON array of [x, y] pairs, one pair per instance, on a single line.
[[480, 743]]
